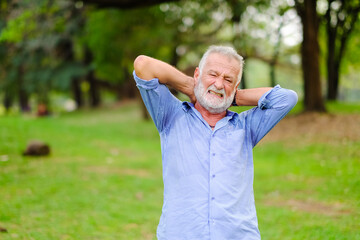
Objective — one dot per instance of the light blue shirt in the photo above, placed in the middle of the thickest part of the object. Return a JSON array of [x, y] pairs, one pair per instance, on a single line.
[[208, 174]]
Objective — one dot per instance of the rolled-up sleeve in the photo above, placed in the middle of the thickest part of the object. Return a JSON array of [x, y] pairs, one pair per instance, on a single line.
[[272, 107], [159, 101]]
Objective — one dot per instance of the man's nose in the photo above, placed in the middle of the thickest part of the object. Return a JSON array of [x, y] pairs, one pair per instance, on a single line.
[[219, 83]]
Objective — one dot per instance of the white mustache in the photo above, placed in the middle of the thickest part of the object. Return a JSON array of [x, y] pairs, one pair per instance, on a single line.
[[214, 89]]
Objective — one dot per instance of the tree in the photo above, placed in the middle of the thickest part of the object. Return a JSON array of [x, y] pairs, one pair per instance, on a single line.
[[340, 19], [39, 58], [7, 101], [310, 51], [257, 32]]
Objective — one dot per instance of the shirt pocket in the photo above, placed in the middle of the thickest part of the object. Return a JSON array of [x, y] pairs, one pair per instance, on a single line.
[[235, 154]]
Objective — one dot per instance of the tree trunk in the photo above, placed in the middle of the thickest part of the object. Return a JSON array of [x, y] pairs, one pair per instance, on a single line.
[[23, 100], [22, 93], [174, 62], [127, 90], [129, 86], [7, 101], [65, 51], [94, 90], [313, 100], [331, 71], [243, 82], [338, 33], [272, 74], [77, 93], [331, 38]]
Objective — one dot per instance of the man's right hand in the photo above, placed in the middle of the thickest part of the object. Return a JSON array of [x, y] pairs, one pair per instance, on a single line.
[[189, 91], [148, 68]]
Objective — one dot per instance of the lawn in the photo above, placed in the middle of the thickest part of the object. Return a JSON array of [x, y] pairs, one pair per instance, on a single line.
[[103, 178]]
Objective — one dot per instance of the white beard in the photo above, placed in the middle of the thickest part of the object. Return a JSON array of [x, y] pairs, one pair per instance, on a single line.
[[211, 102]]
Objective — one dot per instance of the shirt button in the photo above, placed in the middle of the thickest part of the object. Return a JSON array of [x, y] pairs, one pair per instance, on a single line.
[[213, 176], [212, 198], [213, 154]]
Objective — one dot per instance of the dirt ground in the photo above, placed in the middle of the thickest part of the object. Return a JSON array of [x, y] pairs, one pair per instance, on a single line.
[[312, 206], [316, 127]]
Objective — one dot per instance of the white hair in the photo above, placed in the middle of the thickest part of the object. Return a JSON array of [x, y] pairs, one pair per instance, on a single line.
[[226, 51]]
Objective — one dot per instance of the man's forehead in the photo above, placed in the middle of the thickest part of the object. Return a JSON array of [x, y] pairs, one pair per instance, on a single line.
[[220, 62]]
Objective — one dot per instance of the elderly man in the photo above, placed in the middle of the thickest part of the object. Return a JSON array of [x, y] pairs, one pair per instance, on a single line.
[[206, 149]]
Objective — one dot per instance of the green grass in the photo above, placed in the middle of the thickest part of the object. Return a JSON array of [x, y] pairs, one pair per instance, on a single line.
[[103, 180], [308, 191]]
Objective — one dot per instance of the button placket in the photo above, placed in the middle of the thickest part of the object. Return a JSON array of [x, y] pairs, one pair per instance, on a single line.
[[211, 177]]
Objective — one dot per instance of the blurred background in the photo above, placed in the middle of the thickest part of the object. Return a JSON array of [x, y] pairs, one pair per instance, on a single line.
[[68, 97], [66, 55]]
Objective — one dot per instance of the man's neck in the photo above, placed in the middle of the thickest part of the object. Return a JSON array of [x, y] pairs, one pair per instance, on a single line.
[[210, 118]]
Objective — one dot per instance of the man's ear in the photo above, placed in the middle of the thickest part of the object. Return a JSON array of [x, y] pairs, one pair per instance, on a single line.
[[196, 75]]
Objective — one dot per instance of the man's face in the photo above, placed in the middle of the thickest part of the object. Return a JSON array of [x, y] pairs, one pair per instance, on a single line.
[[216, 86]]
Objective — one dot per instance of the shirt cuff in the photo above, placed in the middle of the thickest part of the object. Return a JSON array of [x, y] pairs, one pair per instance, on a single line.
[[146, 84], [263, 102]]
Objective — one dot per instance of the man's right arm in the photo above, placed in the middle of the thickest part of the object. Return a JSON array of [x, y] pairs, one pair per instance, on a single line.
[[148, 68]]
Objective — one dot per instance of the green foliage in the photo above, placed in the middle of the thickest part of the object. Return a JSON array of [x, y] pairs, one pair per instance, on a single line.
[[351, 61], [34, 35], [45, 44], [19, 27], [66, 71], [116, 37]]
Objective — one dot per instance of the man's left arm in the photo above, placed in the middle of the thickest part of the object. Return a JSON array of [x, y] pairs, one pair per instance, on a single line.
[[272, 105], [249, 97]]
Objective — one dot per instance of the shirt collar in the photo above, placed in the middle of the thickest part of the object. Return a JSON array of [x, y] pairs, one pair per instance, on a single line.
[[187, 106], [232, 116]]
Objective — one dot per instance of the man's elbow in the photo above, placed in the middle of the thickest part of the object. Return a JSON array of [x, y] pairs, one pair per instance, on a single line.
[[142, 67], [140, 63], [292, 98]]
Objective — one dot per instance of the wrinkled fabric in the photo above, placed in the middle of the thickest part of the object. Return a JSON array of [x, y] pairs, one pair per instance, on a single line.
[[208, 174]]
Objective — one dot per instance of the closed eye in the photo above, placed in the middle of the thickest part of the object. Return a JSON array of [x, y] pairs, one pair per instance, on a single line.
[[212, 73]]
